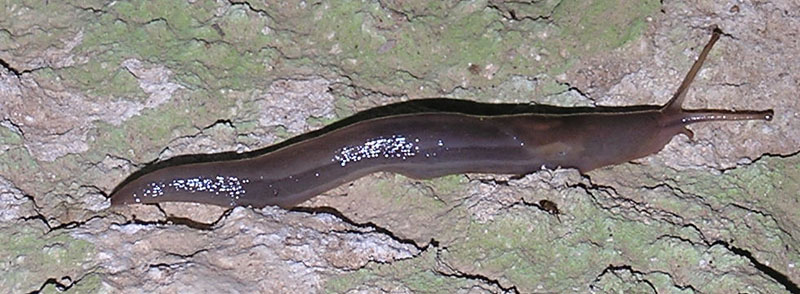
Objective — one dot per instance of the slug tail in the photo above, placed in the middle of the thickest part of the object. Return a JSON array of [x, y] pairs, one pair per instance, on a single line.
[[674, 104]]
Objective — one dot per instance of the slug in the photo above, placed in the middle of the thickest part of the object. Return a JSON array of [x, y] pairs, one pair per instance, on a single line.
[[428, 145]]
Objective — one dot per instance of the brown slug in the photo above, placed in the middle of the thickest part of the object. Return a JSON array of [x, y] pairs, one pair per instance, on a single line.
[[427, 145]]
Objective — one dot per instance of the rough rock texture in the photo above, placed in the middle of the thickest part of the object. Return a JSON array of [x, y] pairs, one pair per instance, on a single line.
[[91, 91]]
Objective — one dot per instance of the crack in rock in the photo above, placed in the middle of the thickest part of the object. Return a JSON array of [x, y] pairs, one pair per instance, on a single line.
[[167, 219], [763, 156], [63, 284], [446, 270], [14, 204], [4, 64], [57, 121], [511, 10], [271, 244], [368, 225], [776, 275], [623, 272]]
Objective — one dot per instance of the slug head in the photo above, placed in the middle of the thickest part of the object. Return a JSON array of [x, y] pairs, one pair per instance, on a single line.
[[674, 116]]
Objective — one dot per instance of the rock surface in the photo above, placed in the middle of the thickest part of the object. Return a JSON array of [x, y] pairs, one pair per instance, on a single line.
[[91, 91]]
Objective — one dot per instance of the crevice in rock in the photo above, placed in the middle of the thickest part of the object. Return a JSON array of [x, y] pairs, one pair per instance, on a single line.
[[14, 71], [190, 255], [63, 284], [490, 181], [406, 16], [775, 220], [615, 201], [55, 282], [135, 221], [188, 222], [155, 21], [580, 92], [38, 217], [170, 219], [477, 277], [368, 225], [89, 9], [455, 273], [759, 158], [674, 237], [593, 187], [613, 269], [675, 190], [12, 126], [72, 224], [185, 260], [224, 122], [169, 266], [250, 7], [776, 275], [734, 85], [46, 222], [511, 14]]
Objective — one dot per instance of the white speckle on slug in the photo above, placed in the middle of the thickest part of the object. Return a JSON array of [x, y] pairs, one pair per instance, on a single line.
[[396, 146], [231, 186]]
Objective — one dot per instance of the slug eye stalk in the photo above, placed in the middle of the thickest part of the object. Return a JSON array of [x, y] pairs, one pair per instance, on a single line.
[[675, 113]]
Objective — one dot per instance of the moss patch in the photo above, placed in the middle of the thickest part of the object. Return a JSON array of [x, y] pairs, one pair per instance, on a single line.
[[36, 256]]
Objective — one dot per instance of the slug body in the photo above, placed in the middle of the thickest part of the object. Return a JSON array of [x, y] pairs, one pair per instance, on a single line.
[[427, 145]]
